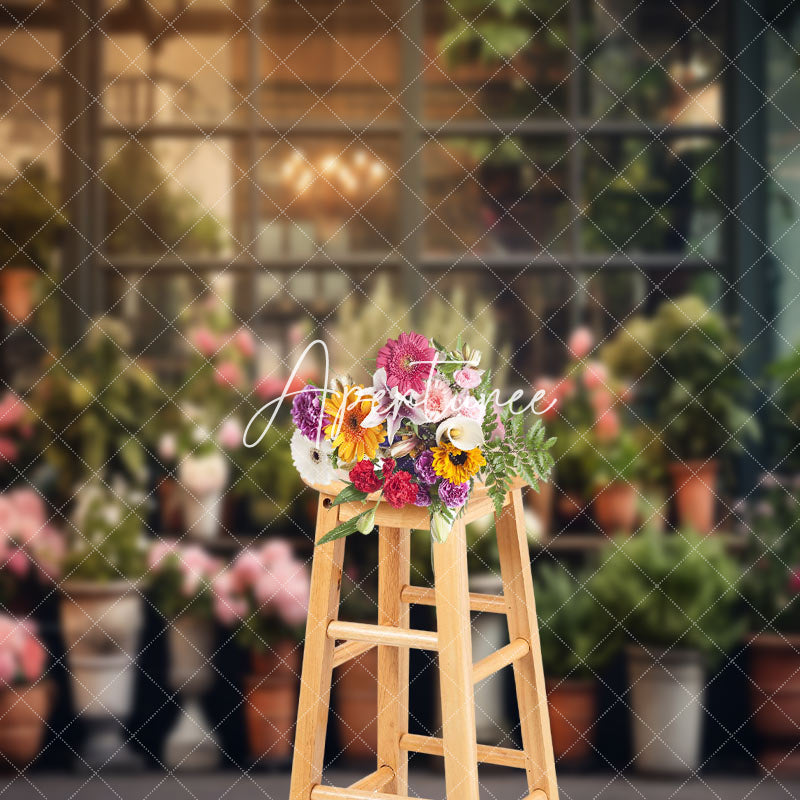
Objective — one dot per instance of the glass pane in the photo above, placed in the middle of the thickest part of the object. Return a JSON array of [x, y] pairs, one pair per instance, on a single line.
[[331, 62], [323, 194], [655, 62], [496, 60], [167, 196], [186, 80], [495, 196], [646, 196]]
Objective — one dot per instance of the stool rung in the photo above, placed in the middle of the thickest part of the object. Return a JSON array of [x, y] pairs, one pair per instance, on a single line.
[[347, 651], [519, 648], [539, 794], [375, 781], [320, 792], [383, 635], [422, 596], [433, 746]]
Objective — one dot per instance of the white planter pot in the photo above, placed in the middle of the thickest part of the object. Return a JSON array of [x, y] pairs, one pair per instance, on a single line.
[[667, 705], [101, 624], [191, 745], [489, 633], [202, 514], [100, 618]]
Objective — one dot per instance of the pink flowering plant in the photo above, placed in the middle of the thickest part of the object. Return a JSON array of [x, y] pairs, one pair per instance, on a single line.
[[427, 429], [180, 579], [263, 595], [29, 544], [22, 656]]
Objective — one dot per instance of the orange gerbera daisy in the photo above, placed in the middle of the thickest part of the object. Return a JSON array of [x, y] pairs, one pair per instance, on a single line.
[[346, 410]]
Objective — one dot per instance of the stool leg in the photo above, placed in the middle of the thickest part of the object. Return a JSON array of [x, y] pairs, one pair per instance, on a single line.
[[515, 566], [394, 572], [315, 681], [455, 665]]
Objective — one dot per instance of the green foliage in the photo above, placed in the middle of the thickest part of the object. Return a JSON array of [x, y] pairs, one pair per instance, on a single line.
[[575, 633], [96, 406], [106, 543], [522, 453], [786, 418], [669, 590], [772, 559], [162, 218], [683, 360], [167, 595], [29, 218]]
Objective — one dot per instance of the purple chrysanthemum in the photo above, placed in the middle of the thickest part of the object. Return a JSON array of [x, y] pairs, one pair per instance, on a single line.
[[454, 495], [306, 412], [423, 498], [423, 466]]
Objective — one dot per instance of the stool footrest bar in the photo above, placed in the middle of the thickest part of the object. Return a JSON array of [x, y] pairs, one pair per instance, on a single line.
[[539, 794], [375, 781], [433, 746], [347, 651], [423, 596], [519, 648], [383, 635], [335, 793]]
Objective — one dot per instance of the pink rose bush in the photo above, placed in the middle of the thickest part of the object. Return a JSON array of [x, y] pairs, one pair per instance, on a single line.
[[22, 656], [181, 578], [263, 594], [28, 543]]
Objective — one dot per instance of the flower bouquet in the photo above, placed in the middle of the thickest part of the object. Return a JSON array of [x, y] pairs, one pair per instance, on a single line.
[[428, 429]]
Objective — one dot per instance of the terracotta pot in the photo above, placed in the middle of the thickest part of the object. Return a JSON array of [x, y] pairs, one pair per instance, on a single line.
[[271, 707], [24, 710], [695, 484], [17, 291], [614, 508], [357, 707], [775, 700], [573, 714]]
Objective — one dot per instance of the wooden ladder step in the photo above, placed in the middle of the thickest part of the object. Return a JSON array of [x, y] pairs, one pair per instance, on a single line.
[[383, 635], [487, 754], [539, 794], [494, 662], [375, 781], [347, 651], [422, 596], [320, 792]]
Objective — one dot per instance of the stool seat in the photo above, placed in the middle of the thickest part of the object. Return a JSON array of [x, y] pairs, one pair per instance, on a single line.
[[331, 642]]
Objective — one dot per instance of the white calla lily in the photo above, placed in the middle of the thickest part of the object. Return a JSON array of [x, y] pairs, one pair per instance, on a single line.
[[462, 432]]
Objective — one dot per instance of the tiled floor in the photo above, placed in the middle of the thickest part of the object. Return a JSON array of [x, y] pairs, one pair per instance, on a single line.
[[496, 786]]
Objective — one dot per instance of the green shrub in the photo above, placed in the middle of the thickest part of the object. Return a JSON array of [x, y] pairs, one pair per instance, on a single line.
[[574, 632], [669, 591]]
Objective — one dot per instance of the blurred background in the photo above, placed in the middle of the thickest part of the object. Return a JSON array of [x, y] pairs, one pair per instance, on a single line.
[[602, 197]]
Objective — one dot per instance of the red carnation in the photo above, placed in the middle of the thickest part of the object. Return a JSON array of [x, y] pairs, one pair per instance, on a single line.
[[388, 467], [364, 478], [400, 490]]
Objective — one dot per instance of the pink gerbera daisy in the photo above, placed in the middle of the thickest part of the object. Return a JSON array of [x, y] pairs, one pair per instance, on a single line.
[[405, 360]]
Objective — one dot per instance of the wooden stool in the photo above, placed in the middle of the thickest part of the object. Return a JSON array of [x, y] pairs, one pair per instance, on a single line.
[[393, 638]]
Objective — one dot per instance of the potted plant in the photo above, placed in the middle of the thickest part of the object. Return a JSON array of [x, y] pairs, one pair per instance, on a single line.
[[180, 587], [264, 596], [24, 694], [683, 360], [615, 475], [101, 614], [575, 644], [672, 599], [30, 221], [203, 430], [772, 591]]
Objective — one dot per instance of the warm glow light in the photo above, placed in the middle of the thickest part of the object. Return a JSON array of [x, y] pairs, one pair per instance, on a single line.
[[329, 164]]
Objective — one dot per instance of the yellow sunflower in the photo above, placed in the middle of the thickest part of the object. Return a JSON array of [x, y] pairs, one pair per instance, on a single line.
[[346, 411], [456, 466]]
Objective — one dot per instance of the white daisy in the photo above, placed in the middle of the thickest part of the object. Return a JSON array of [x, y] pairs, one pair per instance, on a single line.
[[313, 463]]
